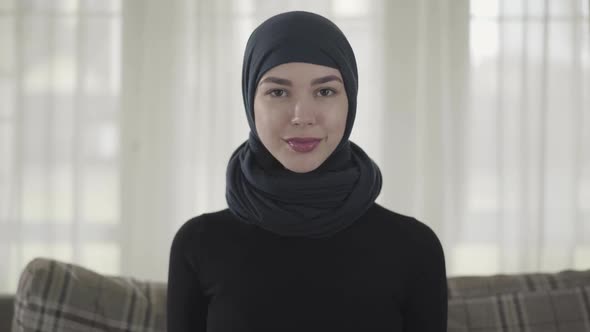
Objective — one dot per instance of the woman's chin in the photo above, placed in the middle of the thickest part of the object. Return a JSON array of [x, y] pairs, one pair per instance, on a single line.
[[300, 162], [299, 167]]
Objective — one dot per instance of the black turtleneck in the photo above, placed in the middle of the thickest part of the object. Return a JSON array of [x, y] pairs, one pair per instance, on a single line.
[[385, 272]]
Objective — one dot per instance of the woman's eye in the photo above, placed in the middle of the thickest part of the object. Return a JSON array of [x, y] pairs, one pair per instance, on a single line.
[[277, 93], [326, 92]]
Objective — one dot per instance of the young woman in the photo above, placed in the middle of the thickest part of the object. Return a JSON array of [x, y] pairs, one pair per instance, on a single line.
[[303, 246]]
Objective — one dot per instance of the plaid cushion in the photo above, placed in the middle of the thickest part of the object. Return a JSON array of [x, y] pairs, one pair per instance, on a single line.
[[55, 296], [538, 302], [560, 310], [477, 286]]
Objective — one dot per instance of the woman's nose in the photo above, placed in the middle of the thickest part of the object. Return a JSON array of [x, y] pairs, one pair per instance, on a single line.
[[303, 113]]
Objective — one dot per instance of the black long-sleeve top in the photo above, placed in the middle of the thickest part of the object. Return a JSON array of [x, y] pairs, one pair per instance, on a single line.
[[386, 272]]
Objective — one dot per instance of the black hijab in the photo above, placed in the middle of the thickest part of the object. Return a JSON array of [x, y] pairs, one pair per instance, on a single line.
[[259, 190]]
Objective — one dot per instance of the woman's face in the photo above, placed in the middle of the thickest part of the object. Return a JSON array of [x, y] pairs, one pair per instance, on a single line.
[[300, 113]]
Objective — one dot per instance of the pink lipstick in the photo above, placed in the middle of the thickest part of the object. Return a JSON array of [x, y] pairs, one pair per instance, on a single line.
[[303, 144]]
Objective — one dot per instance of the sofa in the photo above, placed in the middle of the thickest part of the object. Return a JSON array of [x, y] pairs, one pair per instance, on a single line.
[[6, 311], [57, 296]]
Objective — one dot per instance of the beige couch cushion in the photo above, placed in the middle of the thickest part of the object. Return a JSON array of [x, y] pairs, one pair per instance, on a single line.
[[56, 296], [539, 302], [478, 286]]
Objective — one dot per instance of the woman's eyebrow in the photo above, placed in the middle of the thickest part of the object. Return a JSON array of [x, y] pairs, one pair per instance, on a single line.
[[276, 80], [282, 81], [326, 79]]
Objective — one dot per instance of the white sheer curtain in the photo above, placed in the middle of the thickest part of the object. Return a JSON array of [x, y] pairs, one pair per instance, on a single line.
[[59, 129], [117, 120], [528, 151]]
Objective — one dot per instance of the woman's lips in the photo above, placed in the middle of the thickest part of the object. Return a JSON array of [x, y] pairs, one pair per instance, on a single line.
[[303, 144]]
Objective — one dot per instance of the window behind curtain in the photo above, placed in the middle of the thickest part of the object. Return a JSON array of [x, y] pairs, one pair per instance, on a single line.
[[59, 125], [59, 95], [528, 156]]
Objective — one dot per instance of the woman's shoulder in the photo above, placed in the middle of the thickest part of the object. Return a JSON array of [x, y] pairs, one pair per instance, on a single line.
[[192, 229], [412, 229], [420, 242]]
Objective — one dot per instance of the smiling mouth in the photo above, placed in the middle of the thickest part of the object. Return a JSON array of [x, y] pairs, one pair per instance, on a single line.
[[303, 145]]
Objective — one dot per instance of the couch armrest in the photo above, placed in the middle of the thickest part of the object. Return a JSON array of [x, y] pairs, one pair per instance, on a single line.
[[6, 312]]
